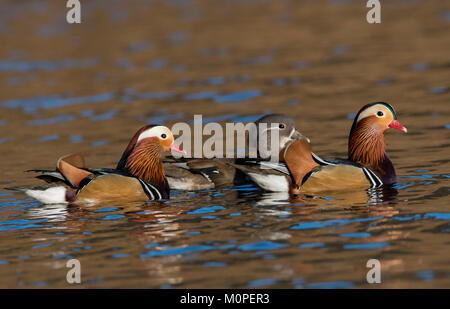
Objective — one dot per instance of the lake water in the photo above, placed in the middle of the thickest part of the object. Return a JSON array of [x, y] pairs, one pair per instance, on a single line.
[[68, 88]]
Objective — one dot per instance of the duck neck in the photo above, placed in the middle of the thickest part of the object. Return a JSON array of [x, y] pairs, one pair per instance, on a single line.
[[366, 145], [144, 162]]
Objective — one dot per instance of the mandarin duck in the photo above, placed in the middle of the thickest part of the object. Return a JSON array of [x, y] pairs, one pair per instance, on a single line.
[[367, 166], [139, 174], [201, 174], [366, 145]]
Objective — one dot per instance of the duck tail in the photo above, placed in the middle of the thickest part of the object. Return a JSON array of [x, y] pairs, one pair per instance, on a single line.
[[53, 195], [49, 176]]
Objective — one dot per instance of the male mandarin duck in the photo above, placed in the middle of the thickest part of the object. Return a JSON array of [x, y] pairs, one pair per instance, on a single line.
[[201, 174], [366, 145], [139, 175], [367, 165]]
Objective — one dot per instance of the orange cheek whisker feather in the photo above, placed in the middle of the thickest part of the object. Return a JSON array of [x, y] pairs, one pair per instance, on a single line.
[[144, 162], [366, 144]]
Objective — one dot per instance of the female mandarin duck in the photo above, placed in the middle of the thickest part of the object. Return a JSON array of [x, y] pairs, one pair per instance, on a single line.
[[367, 165], [200, 174], [139, 174]]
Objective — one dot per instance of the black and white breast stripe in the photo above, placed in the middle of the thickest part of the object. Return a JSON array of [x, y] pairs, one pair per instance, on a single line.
[[372, 177], [150, 190], [320, 161]]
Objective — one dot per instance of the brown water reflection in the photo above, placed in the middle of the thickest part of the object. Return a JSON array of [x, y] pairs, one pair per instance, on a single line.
[[88, 87]]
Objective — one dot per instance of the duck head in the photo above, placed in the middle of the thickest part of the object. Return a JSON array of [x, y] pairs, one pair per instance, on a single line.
[[142, 157], [285, 125], [366, 143], [380, 116], [159, 135]]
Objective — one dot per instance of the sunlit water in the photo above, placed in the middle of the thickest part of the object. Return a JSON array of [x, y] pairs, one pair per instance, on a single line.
[[89, 87]]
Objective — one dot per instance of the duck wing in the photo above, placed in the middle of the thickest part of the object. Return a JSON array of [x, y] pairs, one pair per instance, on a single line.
[[270, 176], [181, 178], [198, 174]]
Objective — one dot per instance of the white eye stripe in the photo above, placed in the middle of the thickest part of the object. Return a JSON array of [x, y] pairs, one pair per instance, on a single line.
[[373, 110], [157, 131]]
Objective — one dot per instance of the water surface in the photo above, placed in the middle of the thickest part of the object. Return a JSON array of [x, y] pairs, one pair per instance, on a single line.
[[89, 87]]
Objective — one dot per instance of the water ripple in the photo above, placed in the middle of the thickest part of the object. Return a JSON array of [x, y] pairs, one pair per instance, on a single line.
[[54, 101], [45, 65]]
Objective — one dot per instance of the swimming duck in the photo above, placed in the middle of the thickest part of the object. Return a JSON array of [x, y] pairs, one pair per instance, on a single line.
[[139, 174], [367, 166], [201, 174], [366, 144]]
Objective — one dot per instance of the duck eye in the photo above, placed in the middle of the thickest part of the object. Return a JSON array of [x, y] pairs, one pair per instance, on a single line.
[[380, 114], [282, 126], [163, 135]]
